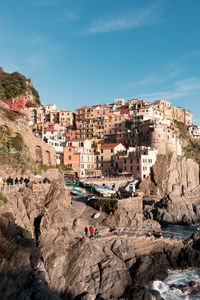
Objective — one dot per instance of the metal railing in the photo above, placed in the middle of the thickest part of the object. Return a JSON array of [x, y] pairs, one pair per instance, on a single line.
[[11, 189]]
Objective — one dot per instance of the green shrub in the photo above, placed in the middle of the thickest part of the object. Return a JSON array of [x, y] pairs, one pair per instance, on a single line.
[[22, 231], [192, 150], [10, 115], [3, 198], [183, 129], [18, 142]]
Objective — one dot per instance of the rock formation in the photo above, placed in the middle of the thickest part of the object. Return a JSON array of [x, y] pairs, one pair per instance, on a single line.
[[173, 174], [40, 225], [43, 227], [175, 191]]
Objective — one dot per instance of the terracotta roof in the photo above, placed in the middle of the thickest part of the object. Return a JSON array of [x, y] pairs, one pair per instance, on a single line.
[[49, 129], [107, 146]]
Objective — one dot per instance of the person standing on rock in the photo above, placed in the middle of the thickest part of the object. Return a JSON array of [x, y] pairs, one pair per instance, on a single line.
[[86, 231], [91, 231]]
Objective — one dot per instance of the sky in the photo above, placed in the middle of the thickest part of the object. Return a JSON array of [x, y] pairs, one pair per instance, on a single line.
[[80, 52]]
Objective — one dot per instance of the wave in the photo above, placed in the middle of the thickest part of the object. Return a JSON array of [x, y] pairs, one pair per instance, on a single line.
[[177, 278]]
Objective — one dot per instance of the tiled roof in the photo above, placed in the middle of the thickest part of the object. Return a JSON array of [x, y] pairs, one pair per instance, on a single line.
[[107, 146]]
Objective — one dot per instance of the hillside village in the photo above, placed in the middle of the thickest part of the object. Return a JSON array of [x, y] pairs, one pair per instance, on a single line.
[[124, 137]]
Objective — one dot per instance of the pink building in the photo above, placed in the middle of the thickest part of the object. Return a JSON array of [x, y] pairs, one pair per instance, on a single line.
[[73, 134], [18, 103], [78, 155], [138, 161]]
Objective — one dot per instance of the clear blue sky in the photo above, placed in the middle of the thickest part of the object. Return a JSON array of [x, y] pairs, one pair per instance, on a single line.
[[81, 52]]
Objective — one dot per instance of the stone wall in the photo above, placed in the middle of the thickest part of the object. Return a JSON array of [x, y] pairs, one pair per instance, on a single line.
[[109, 181], [40, 151], [162, 141]]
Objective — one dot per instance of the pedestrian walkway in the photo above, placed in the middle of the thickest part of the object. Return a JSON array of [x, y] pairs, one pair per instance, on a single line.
[[11, 189]]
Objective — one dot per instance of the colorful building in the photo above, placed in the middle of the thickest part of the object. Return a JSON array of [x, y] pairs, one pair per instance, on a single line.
[[19, 103], [105, 157], [79, 156], [137, 162]]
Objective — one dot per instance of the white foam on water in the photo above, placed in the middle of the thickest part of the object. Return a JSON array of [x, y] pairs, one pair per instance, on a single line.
[[177, 277]]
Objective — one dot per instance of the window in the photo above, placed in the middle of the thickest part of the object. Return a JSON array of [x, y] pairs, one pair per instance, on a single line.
[[101, 150], [138, 168], [101, 157], [70, 149], [82, 166], [112, 150], [70, 157], [125, 168]]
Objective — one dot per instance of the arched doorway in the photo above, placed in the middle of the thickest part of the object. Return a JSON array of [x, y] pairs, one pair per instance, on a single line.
[[38, 154], [48, 158]]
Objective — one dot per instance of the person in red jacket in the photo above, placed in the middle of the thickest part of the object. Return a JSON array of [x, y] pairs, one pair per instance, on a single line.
[[91, 231]]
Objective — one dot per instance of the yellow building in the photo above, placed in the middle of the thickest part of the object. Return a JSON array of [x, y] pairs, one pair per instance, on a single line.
[[105, 157], [66, 118]]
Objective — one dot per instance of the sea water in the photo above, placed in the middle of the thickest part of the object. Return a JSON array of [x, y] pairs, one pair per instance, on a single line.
[[180, 231], [177, 277]]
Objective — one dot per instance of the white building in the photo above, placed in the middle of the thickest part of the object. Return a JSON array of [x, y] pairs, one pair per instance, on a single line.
[[194, 131], [59, 150]]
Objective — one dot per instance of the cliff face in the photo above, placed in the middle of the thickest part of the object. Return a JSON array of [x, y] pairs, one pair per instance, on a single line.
[[174, 184], [173, 174], [42, 255]]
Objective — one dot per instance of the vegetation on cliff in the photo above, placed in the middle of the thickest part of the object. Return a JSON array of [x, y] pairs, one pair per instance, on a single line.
[[13, 151], [191, 148], [15, 85]]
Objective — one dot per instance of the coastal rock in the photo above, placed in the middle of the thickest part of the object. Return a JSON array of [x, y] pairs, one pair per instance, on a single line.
[[57, 261], [173, 174], [143, 293], [176, 210]]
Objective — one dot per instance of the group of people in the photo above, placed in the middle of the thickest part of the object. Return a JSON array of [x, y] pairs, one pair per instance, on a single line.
[[91, 232], [10, 181], [13, 181]]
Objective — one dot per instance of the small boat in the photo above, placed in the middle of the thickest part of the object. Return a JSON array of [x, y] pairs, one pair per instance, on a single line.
[[72, 184], [75, 192], [105, 192], [96, 216], [102, 187]]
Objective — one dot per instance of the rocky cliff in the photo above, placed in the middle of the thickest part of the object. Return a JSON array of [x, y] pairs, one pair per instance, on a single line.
[[174, 186], [43, 257], [173, 174]]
